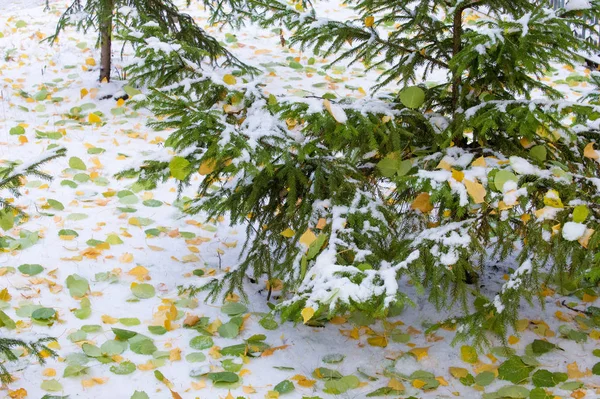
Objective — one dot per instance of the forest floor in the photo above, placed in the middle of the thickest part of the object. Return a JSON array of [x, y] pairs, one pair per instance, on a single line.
[[100, 258]]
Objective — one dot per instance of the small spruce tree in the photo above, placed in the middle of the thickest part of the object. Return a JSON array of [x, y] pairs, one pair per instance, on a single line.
[[104, 15], [343, 199]]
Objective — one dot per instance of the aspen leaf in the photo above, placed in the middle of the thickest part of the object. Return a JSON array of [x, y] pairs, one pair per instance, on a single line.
[[475, 190], [307, 314], [229, 79], [207, 167], [589, 152], [422, 203], [420, 353], [90, 61], [369, 21], [336, 111], [479, 162], [93, 118], [458, 175], [308, 238], [288, 233]]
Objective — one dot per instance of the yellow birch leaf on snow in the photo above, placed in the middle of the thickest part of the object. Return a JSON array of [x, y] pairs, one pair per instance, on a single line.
[[589, 152], [93, 118], [369, 21], [229, 79], [90, 61], [468, 354], [422, 203], [420, 353], [307, 314], [288, 233], [396, 385], [475, 190], [308, 238], [458, 372], [479, 162], [458, 175]]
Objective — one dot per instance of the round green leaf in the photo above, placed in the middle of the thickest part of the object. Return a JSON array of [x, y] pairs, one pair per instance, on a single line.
[[43, 314], [30, 269], [143, 291], [77, 163], [123, 368], [201, 342], [179, 168], [195, 357], [412, 97], [502, 176]]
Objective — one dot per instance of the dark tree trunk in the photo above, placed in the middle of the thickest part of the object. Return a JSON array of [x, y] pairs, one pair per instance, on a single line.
[[106, 25]]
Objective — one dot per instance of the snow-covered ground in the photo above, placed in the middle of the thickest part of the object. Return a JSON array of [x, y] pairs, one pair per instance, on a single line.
[[135, 247]]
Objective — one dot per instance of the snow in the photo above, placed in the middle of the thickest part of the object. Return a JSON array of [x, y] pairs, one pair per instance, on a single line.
[[573, 231], [577, 5]]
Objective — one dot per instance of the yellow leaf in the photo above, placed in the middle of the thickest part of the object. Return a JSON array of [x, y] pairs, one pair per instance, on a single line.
[[422, 203], [420, 353], [418, 383], [479, 162], [93, 118], [468, 354], [321, 223], [458, 175], [442, 381], [288, 233], [513, 340], [272, 394], [380, 341], [475, 190], [307, 314], [139, 272], [120, 102], [4, 295], [396, 385], [84, 92], [458, 372], [126, 258], [444, 165], [90, 61], [229, 396], [552, 198], [589, 152], [574, 372], [175, 354], [207, 167], [49, 372], [20, 393], [369, 21], [336, 111], [308, 238], [229, 79], [109, 320], [585, 238], [23, 140]]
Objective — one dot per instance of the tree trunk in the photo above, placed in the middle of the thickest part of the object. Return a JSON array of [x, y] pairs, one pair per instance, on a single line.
[[456, 46], [106, 25]]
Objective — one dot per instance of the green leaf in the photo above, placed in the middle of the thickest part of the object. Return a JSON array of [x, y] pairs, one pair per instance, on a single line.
[[113, 347], [388, 167], [538, 153], [412, 97], [195, 357], [545, 378], [284, 386], [315, 246], [51, 386], [201, 342], [152, 203], [225, 376], [484, 378], [91, 350], [74, 370], [158, 330], [139, 394], [385, 391], [43, 314], [17, 130], [123, 335], [77, 285], [502, 176], [268, 323], [571, 385], [131, 92], [142, 345], [327, 374], [130, 321], [539, 347], [514, 370], [143, 291], [596, 369], [234, 309], [123, 368], [6, 321], [333, 358], [341, 385], [77, 163], [513, 391], [580, 213], [30, 269], [179, 168], [229, 330], [56, 204], [539, 393]]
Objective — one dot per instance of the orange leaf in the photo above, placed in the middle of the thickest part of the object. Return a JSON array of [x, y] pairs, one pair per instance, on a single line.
[[422, 203]]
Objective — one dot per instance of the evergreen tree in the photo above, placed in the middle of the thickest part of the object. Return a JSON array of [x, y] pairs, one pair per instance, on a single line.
[[103, 15], [37, 349], [342, 199]]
